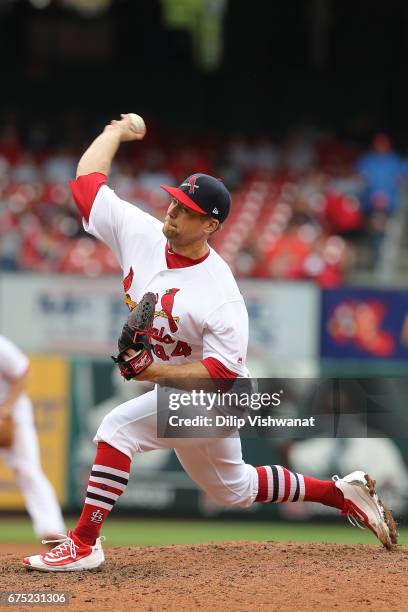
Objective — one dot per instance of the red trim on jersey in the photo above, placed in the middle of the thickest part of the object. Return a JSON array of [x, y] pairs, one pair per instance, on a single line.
[[217, 369], [174, 260], [84, 191]]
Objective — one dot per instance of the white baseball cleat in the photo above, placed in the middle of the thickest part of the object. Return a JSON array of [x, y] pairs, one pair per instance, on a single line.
[[69, 556], [363, 508]]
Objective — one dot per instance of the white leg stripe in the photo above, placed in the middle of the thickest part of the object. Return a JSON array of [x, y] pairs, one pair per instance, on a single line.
[[98, 504], [292, 486], [110, 470], [269, 476], [301, 487], [113, 496], [111, 483], [281, 477]]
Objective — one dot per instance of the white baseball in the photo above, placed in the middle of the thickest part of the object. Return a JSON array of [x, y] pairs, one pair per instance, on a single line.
[[137, 123]]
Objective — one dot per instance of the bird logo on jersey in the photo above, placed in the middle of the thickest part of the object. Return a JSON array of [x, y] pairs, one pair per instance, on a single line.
[[178, 348], [167, 303], [128, 280]]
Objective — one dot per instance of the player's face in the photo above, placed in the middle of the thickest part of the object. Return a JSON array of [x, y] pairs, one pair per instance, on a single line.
[[182, 225]]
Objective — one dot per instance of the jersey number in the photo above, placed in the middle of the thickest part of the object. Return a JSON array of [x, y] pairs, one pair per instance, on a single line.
[[182, 349]]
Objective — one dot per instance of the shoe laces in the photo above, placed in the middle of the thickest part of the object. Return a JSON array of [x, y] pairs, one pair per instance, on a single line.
[[67, 545], [353, 518]]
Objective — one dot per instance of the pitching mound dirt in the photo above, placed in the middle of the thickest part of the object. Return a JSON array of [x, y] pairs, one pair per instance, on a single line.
[[234, 576]]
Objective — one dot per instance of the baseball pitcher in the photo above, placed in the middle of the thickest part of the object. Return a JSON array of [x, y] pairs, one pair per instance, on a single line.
[[188, 320]]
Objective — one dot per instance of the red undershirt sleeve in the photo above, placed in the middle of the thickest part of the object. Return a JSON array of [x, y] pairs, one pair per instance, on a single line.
[[217, 369], [84, 190]]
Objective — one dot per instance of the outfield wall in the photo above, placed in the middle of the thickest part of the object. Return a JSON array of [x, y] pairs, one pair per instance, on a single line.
[[294, 328]]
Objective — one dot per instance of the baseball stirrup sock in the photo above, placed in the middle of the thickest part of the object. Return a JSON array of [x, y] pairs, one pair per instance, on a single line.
[[109, 478], [277, 484]]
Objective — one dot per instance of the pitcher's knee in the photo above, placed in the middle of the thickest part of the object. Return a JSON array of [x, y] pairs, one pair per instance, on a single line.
[[107, 429], [111, 432], [238, 492], [239, 497]]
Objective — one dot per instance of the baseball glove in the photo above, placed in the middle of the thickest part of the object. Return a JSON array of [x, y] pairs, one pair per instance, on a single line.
[[6, 431], [136, 336]]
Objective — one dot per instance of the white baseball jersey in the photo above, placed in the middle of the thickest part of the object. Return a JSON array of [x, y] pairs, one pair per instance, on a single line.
[[200, 312], [13, 364]]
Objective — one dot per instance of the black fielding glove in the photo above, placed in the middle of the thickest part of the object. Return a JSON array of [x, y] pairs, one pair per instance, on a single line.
[[136, 335]]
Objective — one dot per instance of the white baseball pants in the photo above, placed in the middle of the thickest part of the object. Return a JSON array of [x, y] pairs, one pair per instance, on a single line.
[[24, 459], [215, 464]]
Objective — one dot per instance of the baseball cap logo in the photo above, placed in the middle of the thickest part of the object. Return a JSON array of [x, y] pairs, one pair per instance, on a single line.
[[204, 194], [191, 184]]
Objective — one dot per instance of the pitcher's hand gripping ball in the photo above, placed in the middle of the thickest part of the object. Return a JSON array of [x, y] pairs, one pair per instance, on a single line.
[[135, 338], [137, 124]]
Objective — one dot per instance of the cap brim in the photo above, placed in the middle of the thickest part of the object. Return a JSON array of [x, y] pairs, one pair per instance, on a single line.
[[177, 193]]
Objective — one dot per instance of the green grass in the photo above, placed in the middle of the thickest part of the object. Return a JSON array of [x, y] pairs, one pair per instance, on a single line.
[[144, 532]]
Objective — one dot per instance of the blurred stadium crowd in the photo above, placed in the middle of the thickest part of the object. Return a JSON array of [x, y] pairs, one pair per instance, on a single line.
[[302, 208]]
